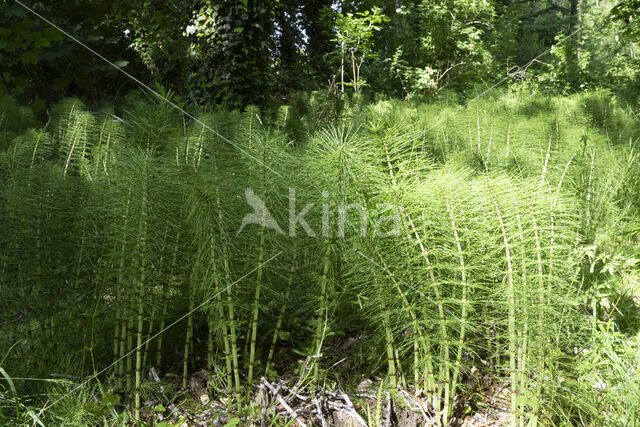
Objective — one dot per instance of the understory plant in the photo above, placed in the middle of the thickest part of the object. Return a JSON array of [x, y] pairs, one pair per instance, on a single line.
[[493, 243]]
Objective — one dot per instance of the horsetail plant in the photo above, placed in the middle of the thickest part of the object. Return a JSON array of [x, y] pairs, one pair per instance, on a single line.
[[283, 308], [144, 225], [511, 303], [120, 227]]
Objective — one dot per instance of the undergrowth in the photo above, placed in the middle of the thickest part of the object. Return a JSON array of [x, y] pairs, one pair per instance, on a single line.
[[445, 243]]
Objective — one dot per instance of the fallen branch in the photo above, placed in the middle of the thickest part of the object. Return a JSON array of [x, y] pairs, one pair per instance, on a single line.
[[284, 404], [319, 406]]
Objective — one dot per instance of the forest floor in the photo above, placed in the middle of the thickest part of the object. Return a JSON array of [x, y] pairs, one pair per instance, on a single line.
[[365, 406], [289, 401]]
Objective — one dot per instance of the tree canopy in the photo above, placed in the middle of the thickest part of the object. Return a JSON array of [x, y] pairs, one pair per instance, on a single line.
[[246, 52], [244, 212]]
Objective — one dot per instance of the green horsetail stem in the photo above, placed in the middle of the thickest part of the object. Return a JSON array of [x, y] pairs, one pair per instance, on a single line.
[[187, 340], [403, 380], [565, 170], [78, 266], [557, 134], [541, 308], [39, 275], [233, 340], [393, 381], [210, 336], [444, 374], [152, 319], [546, 161], [321, 314], [216, 308], [463, 314], [283, 308], [523, 341], [163, 317], [73, 144], [233, 337], [232, 331], [118, 336], [512, 306], [226, 342], [259, 273], [149, 334], [486, 160], [165, 297], [425, 342], [221, 320], [256, 305], [35, 150], [392, 370], [141, 290], [129, 346], [99, 148], [416, 370], [386, 322], [420, 342], [123, 338]]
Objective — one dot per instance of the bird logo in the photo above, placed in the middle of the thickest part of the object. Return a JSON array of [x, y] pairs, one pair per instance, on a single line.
[[260, 214]]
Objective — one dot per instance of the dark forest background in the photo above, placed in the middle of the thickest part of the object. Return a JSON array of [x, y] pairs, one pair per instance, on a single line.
[[245, 52]]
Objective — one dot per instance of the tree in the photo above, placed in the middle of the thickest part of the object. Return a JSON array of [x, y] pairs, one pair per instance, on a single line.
[[233, 48], [156, 33], [40, 64], [354, 34], [433, 45], [628, 12]]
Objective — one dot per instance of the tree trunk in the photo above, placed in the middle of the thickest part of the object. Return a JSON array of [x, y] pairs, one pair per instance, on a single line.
[[554, 6], [355, 78], [579, 35], [342, 70], [572, 15]]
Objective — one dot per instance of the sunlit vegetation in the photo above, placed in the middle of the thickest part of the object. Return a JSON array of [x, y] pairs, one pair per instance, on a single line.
[[513, 261]]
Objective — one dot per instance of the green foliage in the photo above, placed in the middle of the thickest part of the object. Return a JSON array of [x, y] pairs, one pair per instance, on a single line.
[[515, 254], [626, 11], [597, 56], [156, 35], [435, 45], [40, 64], [354, 36], [13, 120], [240, 53], [232, 52]]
